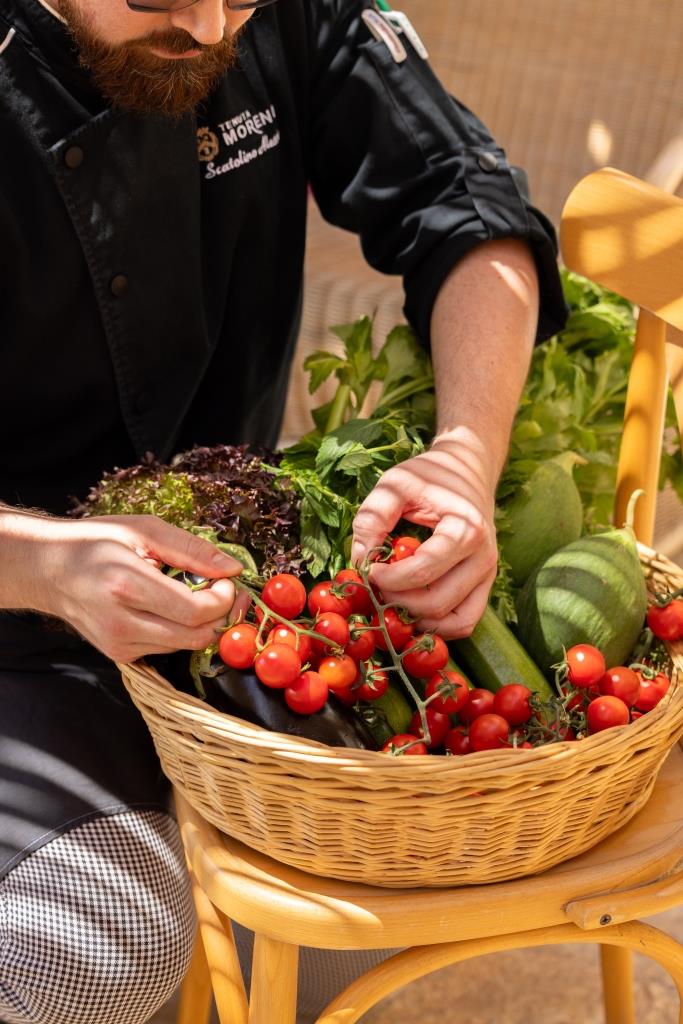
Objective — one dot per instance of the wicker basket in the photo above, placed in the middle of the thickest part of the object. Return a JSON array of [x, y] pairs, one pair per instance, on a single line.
[[404, 822]]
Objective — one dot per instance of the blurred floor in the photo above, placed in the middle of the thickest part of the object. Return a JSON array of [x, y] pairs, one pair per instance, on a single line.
[[549, 985]]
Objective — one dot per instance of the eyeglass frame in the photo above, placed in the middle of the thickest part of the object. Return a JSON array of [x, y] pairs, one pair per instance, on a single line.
[[242, 5]]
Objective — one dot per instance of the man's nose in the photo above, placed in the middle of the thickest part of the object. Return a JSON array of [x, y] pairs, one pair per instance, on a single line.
[[205, 21]]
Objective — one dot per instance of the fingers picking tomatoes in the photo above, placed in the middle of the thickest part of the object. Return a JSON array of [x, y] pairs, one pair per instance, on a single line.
[[307, 694], [237, 645], [425, 655]]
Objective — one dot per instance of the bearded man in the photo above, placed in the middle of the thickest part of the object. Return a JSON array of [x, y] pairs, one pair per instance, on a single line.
[[155, 165]]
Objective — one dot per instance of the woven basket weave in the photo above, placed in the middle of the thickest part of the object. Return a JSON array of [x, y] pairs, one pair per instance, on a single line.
[[404, 822]]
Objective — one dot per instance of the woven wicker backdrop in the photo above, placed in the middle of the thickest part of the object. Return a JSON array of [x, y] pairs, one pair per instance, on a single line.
[[565, 86]]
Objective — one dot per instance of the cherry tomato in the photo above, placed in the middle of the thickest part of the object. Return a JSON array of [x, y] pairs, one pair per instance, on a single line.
[[346, 694], [321, 600], [307, 694], [458, 741], [479, 702], [286, 635], [425, 656], [375, 686], [237, 646], [335, 628], [666, 622], [400, 632], [620, 682], [361, 645], [355, 590], [452, 689], [338, 672], [651, 691], [564, 732], [511, 702], [397, 745], [285, 594], [488, 732], [586, 665], [277, 666], [439, 726], [403, 547], [606, 713]]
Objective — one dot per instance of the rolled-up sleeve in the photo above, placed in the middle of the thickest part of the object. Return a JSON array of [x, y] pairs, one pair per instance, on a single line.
[[400, 162]]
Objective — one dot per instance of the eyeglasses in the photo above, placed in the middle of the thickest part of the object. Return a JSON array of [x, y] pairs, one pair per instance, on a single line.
[[161, 6]]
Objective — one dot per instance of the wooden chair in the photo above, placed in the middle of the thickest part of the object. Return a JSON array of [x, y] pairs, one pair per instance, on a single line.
[[629, 236]]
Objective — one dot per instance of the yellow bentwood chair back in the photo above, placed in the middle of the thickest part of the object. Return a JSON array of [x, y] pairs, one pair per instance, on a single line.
[[628, 236]]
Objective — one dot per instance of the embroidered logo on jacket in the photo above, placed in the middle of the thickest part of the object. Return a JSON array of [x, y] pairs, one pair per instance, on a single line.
[[241, 139], [207, 144]]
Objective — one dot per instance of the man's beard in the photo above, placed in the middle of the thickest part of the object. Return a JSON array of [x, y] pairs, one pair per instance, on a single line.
[[130, 76]]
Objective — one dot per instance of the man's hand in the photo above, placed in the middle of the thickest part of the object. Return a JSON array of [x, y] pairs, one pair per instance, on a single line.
[[101, 575], [446, 583]]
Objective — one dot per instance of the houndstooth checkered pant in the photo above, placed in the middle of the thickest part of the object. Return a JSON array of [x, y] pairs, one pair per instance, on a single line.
[[97, 926]]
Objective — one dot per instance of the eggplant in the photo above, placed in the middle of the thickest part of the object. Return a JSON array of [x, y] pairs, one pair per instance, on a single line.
[[240, 693]]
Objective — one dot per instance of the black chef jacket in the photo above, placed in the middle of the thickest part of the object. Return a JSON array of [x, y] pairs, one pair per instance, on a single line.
[[150, 294]]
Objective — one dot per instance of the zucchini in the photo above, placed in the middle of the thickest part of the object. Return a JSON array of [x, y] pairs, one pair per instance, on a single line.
[[493, 657], [395, 709]]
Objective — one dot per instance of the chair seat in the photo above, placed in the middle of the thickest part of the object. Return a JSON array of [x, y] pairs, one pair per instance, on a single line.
[[292, 906]]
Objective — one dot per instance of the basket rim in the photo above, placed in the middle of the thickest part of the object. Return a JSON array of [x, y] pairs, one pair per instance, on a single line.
[[222, 725]]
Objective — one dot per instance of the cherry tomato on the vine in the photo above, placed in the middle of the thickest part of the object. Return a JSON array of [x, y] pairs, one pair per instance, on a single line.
[[606, 713], [666, 622], [285, 594], [237, 645], [400, 632], [321, 600], [439, 725], [452, 689], [338, 672], [458, 741], [277, 665], [488, 732], [586, 665], [511, 702], [361, 645], [620, 682], [335, 628], [307, 694], [479, 702], [397, 746], [403, 547], [425, 655], [299, 641], [651, 691], [355, 590], [375, 685]]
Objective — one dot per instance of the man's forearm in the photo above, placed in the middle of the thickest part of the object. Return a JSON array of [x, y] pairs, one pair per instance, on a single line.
[[483, 330], [21, 533]]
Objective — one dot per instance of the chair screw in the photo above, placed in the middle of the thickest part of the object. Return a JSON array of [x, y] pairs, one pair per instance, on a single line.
[[606, 919]]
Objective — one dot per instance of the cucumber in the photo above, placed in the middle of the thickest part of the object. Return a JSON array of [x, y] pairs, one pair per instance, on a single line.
[[589, 592], [395, 708], [493, 657]]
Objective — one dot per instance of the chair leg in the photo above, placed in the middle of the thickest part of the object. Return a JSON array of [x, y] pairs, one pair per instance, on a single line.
[[222, 959], [195, 991], [617, 984], [273, 982]]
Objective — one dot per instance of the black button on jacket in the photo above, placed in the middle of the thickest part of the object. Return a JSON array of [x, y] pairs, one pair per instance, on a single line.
[[150, 268]]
